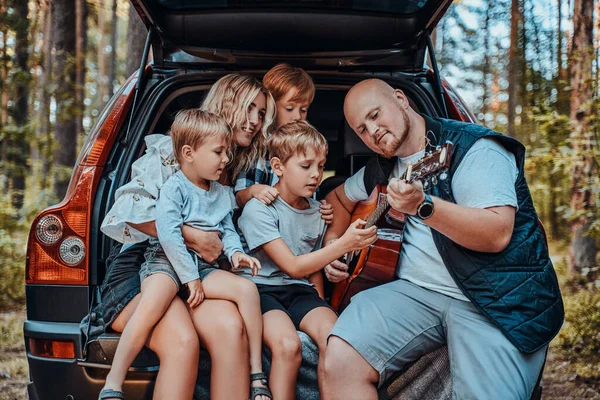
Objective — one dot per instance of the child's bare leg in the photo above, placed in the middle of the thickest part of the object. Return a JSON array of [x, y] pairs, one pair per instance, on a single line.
[[317, 324], [158, 291], [316, 279], [227, 286], [286, 351]]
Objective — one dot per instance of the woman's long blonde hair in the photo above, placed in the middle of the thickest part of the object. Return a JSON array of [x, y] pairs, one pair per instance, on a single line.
[[230, 98]]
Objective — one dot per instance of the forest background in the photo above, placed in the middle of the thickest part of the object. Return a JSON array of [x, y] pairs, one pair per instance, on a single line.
[[527, 68]]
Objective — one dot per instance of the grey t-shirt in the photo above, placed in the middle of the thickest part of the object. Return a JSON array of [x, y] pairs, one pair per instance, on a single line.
[[485, 178], [301, 230]]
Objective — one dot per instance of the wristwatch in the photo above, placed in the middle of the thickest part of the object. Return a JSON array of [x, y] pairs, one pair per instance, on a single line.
[[425, 209]]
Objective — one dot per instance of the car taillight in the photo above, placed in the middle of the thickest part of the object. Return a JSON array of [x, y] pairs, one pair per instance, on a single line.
[[51, 348], [59, 238], [58, 245]]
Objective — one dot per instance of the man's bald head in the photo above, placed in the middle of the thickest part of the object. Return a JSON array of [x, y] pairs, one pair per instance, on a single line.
[[368, 87], [379, 114]]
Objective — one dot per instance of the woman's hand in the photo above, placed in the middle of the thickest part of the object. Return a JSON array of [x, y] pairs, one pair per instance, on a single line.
[[357, 238], [196, 293], [326, 211], [264, 193], [240, 259], [206, 243]]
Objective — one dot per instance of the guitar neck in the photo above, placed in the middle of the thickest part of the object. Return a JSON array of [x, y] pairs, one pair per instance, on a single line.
[[382, 208]]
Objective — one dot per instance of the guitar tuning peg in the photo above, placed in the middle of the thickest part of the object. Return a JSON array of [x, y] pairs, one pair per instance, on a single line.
[[443, 176]]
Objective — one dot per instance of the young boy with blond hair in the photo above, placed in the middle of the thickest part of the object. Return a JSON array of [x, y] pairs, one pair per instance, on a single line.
[[285, 237], [192, 196]]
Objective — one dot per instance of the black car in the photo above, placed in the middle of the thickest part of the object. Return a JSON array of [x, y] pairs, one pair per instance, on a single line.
[[194, 43]]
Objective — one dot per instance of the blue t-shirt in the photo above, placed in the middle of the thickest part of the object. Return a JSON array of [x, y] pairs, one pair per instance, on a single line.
[[485, 178]]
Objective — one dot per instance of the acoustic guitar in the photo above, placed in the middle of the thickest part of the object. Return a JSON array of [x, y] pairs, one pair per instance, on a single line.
[[376, 264]]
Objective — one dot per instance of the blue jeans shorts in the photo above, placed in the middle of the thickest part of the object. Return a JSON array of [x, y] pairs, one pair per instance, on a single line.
[[158, 263]]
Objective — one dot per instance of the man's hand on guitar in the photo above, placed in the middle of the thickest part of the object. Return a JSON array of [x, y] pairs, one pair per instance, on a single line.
[[404, 197], [357, 238], [336, 272]]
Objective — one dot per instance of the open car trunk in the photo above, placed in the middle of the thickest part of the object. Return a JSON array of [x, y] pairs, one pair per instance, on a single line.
[[163, 98]]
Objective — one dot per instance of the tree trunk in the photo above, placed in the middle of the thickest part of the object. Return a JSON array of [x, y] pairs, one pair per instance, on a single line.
[[136, 38], [102, 78], [113, 54], [18, 145], [486, 62], [583, 247], [80, 50], [4, 90], [44, 132], [563, 96], [513, 65], [64, 76]]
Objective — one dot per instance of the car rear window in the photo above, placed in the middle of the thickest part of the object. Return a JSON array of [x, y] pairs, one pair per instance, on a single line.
[[375, 6]]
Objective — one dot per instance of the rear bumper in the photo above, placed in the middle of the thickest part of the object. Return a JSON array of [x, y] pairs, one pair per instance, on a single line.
[[53, 378]]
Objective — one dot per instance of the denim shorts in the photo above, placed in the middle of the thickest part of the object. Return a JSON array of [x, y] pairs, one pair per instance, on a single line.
[[158, 263], [120, 285]]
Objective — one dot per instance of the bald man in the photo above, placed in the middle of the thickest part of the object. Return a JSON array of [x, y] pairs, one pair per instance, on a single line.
[[474, 271]]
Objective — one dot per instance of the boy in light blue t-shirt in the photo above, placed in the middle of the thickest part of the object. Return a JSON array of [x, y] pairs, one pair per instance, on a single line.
[[284, 237]]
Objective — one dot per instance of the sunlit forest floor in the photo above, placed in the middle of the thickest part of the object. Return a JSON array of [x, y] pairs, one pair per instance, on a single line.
[[561, 378]]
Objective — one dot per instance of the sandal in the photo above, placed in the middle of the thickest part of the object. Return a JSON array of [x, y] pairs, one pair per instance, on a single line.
[[259, 391], [110, 393]]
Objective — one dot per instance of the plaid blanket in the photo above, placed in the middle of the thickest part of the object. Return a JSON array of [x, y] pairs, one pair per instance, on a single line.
[[428, 378]]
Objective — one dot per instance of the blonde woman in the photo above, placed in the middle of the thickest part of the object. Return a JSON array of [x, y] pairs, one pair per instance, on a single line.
[[250, 127], [249, 110]]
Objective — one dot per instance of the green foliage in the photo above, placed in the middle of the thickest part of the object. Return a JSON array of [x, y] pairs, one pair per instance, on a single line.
[[579, 338], [12, 256]]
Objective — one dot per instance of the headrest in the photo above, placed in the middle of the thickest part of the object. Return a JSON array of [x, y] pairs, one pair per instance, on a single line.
[[353, 145]]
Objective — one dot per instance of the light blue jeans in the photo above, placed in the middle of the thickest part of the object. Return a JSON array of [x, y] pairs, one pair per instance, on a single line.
[[395, 324]]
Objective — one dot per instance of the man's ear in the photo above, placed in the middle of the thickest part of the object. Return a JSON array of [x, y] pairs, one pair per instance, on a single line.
[[186, 153], [399, 94], [277, 166]]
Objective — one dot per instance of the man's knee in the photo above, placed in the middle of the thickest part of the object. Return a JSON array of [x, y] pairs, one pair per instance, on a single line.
[[342, 361]]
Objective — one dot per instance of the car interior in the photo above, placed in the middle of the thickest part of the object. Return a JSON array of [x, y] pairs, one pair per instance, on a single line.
[[347, 153]]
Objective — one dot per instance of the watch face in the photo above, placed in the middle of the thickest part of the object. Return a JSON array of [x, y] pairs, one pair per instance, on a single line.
[[425, 210]]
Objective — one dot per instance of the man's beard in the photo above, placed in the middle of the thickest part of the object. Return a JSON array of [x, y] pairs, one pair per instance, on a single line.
[[393, 144]]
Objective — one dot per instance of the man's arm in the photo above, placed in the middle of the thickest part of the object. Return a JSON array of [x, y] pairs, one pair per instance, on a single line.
[[479, 229], [342, 211]]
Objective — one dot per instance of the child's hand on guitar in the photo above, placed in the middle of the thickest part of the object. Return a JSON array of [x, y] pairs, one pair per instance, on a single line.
[[357, 238], [405, 197]]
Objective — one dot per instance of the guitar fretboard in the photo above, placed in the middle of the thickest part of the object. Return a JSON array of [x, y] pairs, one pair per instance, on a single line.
[[383, 207]]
